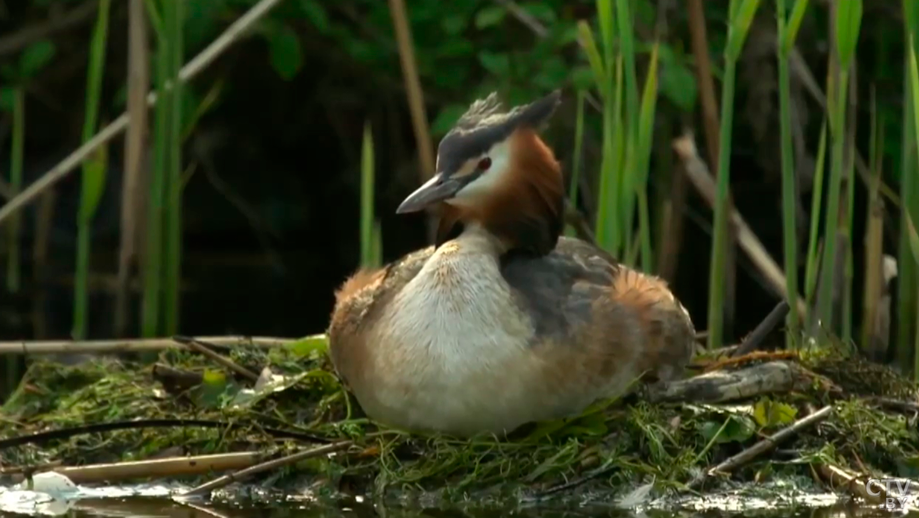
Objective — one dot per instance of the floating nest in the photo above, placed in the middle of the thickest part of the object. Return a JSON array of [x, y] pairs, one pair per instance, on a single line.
[[663, 438]]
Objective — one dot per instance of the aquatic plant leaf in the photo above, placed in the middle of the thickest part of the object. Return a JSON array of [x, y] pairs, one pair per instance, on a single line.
[[310, 345], [738, 429], [848, 22], [210, 392], [768, 413], [268, 383]]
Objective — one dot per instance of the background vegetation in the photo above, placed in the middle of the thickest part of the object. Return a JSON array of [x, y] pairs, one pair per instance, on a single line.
[[246, 195]]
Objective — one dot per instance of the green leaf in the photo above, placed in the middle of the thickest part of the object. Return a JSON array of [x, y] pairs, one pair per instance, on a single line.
[[446, 118], [94, 172], [489, 16], [677, 82], [913, 237], [794, 25], [540, 11], [285, 51], [497, 64], [308, 346], [589, 44], [34, 57], [316, 14], [737, 429], [740, 27], [453, 24], [7, 98], [848, 22], [210, 393], [768, 413]]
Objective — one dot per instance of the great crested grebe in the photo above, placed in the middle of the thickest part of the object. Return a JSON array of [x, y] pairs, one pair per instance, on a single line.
[[502, 322]]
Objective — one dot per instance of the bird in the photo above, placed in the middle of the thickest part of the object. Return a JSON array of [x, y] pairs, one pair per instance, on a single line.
[[502, 321]]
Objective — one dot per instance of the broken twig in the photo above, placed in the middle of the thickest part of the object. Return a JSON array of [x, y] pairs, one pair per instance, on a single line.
[[759, 334], [225, 480], [762, 446], [205, 349]]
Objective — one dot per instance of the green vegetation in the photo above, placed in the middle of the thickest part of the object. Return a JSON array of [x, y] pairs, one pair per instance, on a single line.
[[623, 66], [612, 447]]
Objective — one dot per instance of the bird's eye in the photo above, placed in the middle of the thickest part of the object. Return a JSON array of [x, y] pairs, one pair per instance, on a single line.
[[484, 164]]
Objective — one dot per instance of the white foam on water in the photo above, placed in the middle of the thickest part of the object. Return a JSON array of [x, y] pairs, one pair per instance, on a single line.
[[53, 494]]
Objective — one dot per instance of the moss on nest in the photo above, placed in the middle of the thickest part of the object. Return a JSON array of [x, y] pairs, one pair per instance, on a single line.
[[611, 448]]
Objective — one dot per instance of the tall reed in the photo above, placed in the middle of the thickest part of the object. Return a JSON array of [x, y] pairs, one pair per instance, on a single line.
[[370, 231], [645, 140], [172, 258], [576, 157], [153, 253], [162, 260], [93, 171], [628, 123], [17, 150], [908, 274], [812, 263], [848, 21], [911, 237], [787, 33], [740, 17]]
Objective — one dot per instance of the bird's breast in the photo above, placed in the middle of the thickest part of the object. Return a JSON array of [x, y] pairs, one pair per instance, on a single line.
[[451, 350]]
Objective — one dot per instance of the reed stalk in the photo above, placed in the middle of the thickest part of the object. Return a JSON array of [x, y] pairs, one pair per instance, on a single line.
[[848, 21], [17, 145], [154, 254], [629, 171], [606, 228], [908, 274], [576, 157], [874, 237], [812, 264], [93, 171], [369, 246], [740, 16], [787, 32], [849, 267], [645, 140], [172, 258], [911, 237]]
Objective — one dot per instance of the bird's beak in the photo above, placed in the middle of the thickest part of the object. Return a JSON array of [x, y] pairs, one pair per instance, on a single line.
[[439, 188]]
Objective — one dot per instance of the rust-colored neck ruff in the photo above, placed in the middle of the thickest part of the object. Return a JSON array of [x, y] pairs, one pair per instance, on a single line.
[[525, 210]]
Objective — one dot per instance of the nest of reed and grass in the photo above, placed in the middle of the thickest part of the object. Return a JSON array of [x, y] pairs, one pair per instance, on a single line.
[[614, 447]]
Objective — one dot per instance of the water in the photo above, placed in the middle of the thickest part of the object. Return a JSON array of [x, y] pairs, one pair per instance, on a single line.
[[57, 496]]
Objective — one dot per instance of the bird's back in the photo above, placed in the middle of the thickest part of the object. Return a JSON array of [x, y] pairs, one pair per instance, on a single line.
[[582, 301]]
